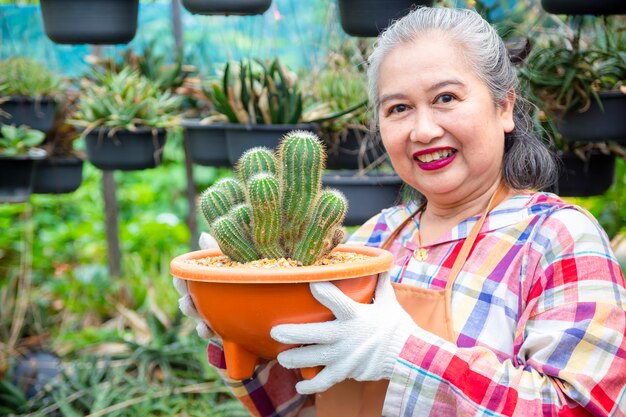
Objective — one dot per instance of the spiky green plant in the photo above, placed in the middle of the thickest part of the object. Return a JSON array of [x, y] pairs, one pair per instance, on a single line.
[[285, 213], [26, 77]]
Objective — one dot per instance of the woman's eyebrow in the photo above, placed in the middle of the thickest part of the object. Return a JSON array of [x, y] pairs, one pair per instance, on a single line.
[[387, 97], [441, 84]]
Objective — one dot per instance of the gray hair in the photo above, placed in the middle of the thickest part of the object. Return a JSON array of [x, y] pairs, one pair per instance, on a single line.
[[528, 163]]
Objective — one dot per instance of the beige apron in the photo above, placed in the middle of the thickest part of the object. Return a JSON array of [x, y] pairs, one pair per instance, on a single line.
[[430, 309]]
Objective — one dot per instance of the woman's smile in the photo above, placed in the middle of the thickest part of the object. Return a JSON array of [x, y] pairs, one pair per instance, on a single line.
[[434, 158]]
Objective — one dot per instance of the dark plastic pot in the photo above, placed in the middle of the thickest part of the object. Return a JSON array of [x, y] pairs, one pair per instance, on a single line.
[[596, 125], [206, 143], [227, 7], [34, 371], [18, 176], [582, 178], [38, 113], [58, 175], [370, 17], [594, 7], [90, 21], [367, 194], [349, 150], [240, 138], [125, 150]]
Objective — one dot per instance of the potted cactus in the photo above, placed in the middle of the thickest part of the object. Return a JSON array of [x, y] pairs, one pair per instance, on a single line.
[[277, 231], [261, 102], [29, 94], [18, 161], [125, 117]]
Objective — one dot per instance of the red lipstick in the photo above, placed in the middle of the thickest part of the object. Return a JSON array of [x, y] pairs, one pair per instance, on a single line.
[[437, 164]]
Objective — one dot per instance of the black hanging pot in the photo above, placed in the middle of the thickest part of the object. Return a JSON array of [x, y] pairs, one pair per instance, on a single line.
[[593, 7], [227, 7], [36, 112], [90, 21], [370, 17], [585, 177], [206, 143], [58, 175], [125, 150], [367, 194], [353, 150], [18, 175], [596, 124], [240, 137]]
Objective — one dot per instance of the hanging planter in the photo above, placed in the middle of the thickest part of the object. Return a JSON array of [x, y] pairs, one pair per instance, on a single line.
[[353, 150], [35, 112], [367, 194], [18, 175], [596, 124], [206, 143], [240, 137], [585, 177], [227, 7], [593, 7], [125, 150], [370, 17], [90, 21], [58, 175]]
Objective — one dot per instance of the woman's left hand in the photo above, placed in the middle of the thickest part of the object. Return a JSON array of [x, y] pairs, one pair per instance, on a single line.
[[362, 343]]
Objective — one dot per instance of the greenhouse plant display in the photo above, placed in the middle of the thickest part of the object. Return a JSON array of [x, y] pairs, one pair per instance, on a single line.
[[90, 22], [261, 103], [18, 161], [277, 231], [125, 117], [29, 93]]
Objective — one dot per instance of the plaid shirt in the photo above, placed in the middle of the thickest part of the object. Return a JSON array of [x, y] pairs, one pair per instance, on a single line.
[[539, 309]]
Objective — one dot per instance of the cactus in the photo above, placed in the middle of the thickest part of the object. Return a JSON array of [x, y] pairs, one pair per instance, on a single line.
[[264, 194], [300, 152], [280, 211], [232, 241], [329, 212], [254, 161]]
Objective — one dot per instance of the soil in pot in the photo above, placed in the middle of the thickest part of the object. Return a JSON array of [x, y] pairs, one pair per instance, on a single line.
[[206, 143], [367, 194], [38, 113], [125, 150], [58, 175], [243, 304]]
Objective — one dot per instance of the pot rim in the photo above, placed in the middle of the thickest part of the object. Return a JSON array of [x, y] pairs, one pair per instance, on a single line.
[[380, 260]]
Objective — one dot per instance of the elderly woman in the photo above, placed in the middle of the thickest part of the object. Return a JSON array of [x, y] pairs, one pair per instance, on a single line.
[[503, 300]]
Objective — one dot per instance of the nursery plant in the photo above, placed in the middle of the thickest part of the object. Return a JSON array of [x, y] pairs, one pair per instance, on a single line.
[[18, 140]]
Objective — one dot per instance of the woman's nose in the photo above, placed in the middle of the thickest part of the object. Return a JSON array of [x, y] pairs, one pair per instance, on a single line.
[[426, 127]]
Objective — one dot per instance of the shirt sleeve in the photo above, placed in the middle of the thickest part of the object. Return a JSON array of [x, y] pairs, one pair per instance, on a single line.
[[570, 350]]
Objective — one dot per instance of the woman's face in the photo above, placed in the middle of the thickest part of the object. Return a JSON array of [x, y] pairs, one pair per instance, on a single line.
[[438, 121]]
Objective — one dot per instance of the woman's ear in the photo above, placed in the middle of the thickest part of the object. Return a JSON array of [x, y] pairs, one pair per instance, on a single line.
[[505, 112]]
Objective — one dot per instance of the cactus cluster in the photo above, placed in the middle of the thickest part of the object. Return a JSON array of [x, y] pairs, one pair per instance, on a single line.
[[276, 207]]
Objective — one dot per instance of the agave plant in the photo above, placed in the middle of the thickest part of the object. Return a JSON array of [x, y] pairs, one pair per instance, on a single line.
[[257, 93], [275, 208], [125, 100]]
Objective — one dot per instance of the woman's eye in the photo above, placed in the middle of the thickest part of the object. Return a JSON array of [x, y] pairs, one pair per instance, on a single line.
[[445, 98], [398, 108]]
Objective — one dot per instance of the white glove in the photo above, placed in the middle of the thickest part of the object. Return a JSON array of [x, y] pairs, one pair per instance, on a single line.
[[363, 342], [185, 303]]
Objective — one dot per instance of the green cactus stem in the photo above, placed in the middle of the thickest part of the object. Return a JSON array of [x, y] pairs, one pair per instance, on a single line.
[[241, 214], [264, 195], [232, 240], [232, 188], [214, 203], [254, 161], [318, 238], [303, 159]]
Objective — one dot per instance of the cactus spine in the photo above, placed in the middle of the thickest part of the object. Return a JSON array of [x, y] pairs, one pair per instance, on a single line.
[[264, 194], [254, 161], [329, 212], [232, 188], [214, 203], [241, 214], [302, 158]]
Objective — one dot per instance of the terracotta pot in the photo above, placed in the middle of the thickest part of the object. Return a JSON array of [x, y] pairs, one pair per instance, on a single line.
[[243, 304]]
